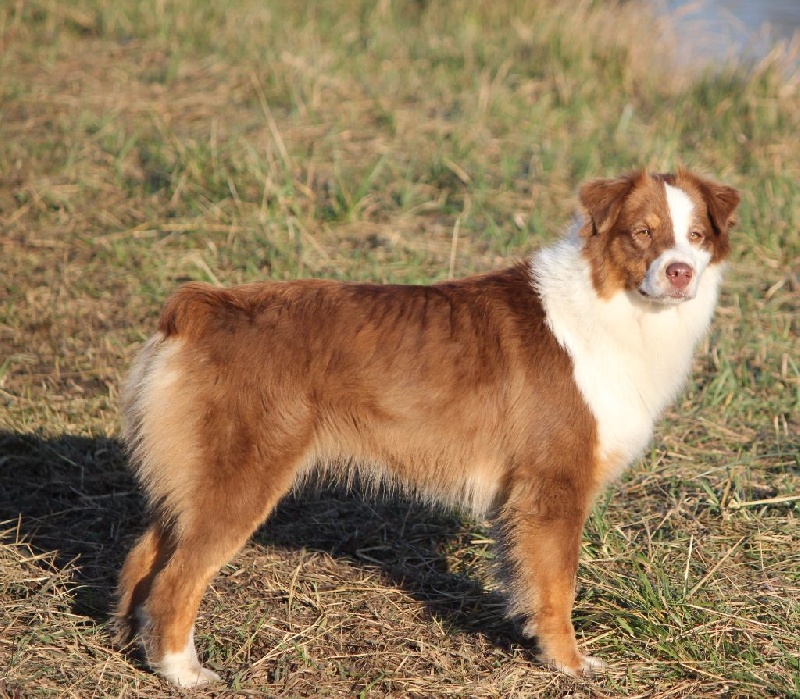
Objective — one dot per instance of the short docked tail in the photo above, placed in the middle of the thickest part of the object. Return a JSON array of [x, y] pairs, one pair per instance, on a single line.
[[187, 312]]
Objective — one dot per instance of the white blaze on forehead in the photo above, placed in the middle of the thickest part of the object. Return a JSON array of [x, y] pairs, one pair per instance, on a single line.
[[680, 211]]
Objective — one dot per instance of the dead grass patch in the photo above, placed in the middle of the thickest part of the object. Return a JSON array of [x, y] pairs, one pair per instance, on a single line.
[[150, 144]]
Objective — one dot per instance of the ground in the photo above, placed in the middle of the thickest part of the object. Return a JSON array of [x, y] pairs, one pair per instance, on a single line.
[[403, 141]]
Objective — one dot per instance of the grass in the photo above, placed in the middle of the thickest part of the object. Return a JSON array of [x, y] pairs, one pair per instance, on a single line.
[[145, 144]]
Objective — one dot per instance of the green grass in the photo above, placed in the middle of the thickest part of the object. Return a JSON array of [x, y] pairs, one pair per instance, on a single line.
[[145, 144]]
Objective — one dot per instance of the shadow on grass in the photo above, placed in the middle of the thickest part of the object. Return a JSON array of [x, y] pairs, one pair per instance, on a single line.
[[74, 496]]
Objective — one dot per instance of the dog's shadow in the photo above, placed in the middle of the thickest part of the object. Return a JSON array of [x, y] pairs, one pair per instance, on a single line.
[[74, 497]]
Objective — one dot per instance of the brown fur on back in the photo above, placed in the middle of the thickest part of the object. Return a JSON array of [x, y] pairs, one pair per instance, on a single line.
[[441, 388]]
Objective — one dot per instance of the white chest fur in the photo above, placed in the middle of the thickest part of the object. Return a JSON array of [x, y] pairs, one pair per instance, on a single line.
[[631, 357]]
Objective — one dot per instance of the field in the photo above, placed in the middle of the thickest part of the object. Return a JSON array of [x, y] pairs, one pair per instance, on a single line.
[[149, 143]]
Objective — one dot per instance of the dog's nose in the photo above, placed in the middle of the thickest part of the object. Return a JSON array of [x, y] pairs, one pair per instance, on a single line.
[[679, 274]]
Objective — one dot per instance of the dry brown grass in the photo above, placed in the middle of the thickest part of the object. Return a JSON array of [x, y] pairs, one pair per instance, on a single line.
[[400, 142]]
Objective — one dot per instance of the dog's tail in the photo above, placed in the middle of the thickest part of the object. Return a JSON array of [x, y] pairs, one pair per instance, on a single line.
[[188, 311], [161, 410], [162, 398]]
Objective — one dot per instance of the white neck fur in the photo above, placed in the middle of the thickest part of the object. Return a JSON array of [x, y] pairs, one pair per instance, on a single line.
[[631, 356]]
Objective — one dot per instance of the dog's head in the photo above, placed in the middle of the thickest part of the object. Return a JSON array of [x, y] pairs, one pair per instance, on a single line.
[[655, 235]]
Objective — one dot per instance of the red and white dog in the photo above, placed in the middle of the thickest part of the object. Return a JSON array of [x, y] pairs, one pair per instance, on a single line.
[[519, 393]]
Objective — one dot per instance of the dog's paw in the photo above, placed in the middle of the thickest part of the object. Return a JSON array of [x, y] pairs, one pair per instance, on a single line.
[[183, 669], [586, 666], [204, 676], [592, 665], [190, 677]]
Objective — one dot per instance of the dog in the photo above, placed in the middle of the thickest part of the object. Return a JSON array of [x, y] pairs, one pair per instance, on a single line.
[[519, 393]]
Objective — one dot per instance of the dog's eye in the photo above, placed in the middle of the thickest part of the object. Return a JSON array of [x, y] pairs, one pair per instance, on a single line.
[[697, 236], [643, 233]]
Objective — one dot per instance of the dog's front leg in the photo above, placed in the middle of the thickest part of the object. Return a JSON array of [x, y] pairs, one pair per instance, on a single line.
[[542, 526]]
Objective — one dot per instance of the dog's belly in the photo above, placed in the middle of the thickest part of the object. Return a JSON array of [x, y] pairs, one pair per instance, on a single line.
[[438, 465]]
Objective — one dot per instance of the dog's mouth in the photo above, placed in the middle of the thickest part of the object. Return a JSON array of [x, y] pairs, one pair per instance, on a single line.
[[672, 297]]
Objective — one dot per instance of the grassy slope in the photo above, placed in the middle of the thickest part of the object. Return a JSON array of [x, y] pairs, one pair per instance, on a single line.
[[391, 141]]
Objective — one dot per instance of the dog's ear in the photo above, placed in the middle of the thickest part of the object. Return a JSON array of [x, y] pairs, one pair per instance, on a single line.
[[602, 200], [722, 202]]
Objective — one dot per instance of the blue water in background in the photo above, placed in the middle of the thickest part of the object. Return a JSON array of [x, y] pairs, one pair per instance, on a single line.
[[723, 29]]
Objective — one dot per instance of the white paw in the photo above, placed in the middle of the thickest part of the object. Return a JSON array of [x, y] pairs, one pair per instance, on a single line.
[[197, 678], [591, 665], [184, 669], [587, 667], [185, 674]]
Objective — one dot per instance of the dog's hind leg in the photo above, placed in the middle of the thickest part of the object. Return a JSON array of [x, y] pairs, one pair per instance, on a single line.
[[169, 612], [143, 562], [168, 615], [220, 521]]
